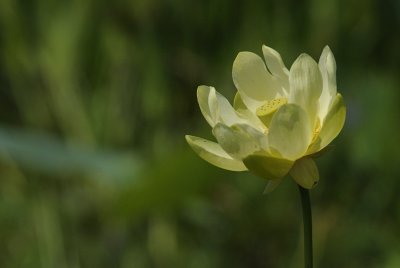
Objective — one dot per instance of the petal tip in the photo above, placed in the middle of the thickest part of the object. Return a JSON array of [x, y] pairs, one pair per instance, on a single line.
[[202, 88], [327, 48], [267, 48], [302, 59], [305, 173]]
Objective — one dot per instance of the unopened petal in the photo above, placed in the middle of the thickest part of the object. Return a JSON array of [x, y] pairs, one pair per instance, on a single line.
[[289, 132], [268, 167], [214, 154], [305, 173], [334, 121], [253, 81], [306, 85]]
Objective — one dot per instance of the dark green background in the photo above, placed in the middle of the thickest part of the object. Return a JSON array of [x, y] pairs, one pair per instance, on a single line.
[[95, 100]]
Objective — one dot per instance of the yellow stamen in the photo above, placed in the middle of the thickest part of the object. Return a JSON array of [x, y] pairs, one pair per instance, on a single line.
[[266, 111]]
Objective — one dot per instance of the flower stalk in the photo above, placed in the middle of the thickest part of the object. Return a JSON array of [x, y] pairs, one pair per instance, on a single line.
[[307, 223]]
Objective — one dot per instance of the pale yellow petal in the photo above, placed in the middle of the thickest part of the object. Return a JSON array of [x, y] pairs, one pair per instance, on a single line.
[[221, 110], [277, 68], [334, 121], [238, 102], [251, 119], [253, 81], [327, 66], [271, 185], [305, 172], [306, 86], [289, 132], [202, 97], [240, 140], [248, 116], [214, 154], [267, 167]]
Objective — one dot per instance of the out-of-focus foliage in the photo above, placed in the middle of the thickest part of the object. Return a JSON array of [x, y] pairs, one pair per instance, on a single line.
[[95, 99]]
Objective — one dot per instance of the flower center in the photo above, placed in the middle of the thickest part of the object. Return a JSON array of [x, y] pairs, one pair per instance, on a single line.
[[266, 111]]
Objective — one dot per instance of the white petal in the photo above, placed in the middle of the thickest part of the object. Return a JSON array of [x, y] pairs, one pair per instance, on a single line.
[[289, 132], [253, 81], [214, 154], [240, 140], [203, 93], [334, 121], [277, 67], [327, 66], [306, 85], [305, 172]]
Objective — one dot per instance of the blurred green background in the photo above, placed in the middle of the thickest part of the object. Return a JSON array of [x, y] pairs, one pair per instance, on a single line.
[[95, 100]]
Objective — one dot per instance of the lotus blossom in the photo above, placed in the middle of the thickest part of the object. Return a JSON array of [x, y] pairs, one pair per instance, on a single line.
[[279, 118]]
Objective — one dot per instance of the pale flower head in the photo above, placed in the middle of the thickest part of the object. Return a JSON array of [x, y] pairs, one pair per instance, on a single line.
[[279, 118]]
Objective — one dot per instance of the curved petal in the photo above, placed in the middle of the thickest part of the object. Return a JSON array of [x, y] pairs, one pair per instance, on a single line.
[[221, 111], [289, 132], [240, 140], [334, 121], [203, 93], [238, 102], [252, 120], [327, 66], [267, 167], [305, 172], [306, 85], [271, 185], [253, 81], [277, 68], [214, 154]]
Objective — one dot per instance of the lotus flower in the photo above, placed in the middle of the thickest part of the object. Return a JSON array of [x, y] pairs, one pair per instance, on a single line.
[[279, 119]]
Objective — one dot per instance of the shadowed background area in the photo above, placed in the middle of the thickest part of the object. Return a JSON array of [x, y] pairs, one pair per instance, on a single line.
[[95, 100]]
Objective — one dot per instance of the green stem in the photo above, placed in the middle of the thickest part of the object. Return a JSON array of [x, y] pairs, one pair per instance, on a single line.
[[307, 222]]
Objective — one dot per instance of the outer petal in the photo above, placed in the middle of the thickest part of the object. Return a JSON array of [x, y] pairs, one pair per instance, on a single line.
[[277, 67], [253, 81], [289, 132], [203, 93], [305, 172], [240, 140], [306, 85], [327, 66], [267, 167], [271, 185], [334, 121], [214, 154]]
